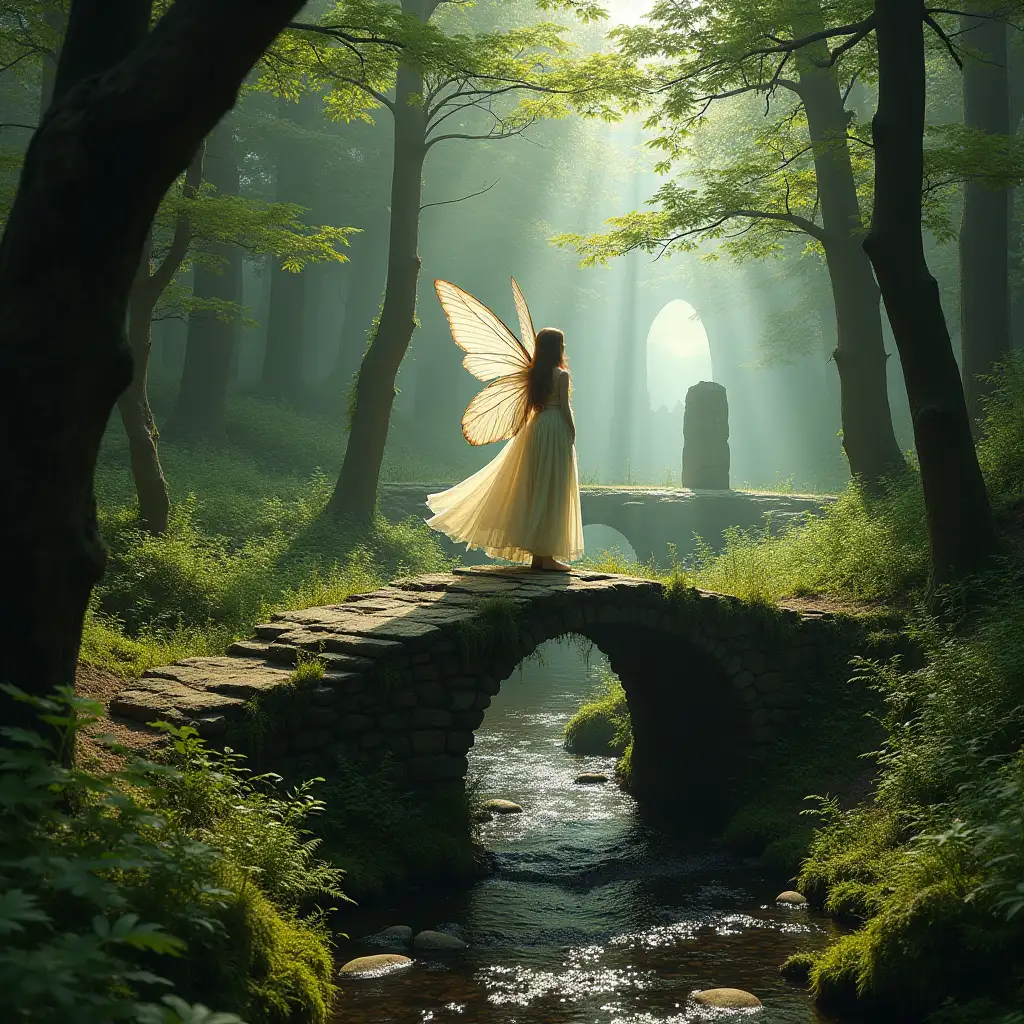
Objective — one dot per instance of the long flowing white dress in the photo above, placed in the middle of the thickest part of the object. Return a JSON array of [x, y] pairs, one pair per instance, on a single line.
[[526, 501]]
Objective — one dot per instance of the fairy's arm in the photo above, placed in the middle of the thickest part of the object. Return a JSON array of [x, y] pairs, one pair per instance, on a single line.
[[563, 402]]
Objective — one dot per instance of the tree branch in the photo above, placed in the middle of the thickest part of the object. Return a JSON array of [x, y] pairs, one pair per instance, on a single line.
[[472, 195], [940, 32]]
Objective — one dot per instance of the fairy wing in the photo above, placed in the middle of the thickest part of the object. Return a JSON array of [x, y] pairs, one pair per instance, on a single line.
[[499, 411], [492, 350], [526, 327]]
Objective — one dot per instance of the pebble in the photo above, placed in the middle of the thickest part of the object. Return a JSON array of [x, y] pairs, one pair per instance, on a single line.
[[501, 807], [791, 898], [437, 941], [727, 999], [396, 935], [375, 966], [590, 778]]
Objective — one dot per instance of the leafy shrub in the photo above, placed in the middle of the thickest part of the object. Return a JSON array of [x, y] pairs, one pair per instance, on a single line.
[[117, 888]]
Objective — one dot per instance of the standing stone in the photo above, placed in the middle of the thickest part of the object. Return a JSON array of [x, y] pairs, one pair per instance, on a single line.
[[706, 438]]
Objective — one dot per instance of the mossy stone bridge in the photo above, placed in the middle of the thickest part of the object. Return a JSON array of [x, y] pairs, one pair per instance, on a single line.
[[409, 670]]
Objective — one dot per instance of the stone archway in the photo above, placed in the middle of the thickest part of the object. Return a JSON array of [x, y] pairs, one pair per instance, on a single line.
[[410, 670]]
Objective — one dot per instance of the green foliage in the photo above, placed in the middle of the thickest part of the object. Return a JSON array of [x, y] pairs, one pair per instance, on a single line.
[[602, 724], [492, 632], [116, 888]]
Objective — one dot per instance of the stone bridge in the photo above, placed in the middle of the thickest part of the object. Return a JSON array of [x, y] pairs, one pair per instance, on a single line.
[[712, 683], [650, 519]]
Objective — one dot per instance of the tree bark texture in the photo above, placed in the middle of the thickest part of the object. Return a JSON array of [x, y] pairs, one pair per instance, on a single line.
[[202, 395], [284, 357], [355, 494], [985, 226], [64, 356], [869, 439], [960, 524]]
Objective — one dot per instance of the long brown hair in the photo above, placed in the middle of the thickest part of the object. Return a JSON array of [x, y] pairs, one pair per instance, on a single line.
[[549, 354]]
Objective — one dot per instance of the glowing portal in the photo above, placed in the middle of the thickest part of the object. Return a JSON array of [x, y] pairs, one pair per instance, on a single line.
[[678, 355]]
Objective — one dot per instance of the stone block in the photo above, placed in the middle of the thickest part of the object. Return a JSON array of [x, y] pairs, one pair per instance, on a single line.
[[310, 739], [770, 682], [425, 673], [468, 719], [749, 696], [394, 721], [356, 723], [403, 698], [489, 685], [743, 678], [483, 702], [371, 740], [753, 661], [423, 658], [430, 694], [431, 718], [322, 695], [428, 741], [759, 716], [462, 700], [450, 666], [351, 705], [399, 744], [459, 742], [319, 717]]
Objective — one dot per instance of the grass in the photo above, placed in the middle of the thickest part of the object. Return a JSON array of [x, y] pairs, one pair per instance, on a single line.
[[601, 725]]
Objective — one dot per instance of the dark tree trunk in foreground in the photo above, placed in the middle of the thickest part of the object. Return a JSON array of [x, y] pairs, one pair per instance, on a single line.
[[985, 227], [959, 517], [202, 396], [136, 413], [64, 357], [355, 495], [283, 359], [868, 436]]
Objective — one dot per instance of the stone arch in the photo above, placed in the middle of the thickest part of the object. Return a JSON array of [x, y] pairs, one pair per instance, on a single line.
[[410, 670]]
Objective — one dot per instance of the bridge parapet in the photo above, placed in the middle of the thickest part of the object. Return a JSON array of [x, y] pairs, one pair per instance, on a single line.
[[409, 671]]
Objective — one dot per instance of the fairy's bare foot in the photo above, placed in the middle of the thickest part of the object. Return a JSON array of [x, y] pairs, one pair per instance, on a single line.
[[553, 565]]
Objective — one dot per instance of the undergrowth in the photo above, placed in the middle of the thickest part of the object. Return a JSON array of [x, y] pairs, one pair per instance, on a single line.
[[148, 893]]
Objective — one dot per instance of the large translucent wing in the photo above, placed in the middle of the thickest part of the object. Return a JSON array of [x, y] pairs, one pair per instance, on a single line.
[[526, 327], [499, 411], [492, 350]]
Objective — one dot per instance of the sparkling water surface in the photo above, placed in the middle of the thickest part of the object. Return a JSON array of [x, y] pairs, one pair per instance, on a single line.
[[594, 915]]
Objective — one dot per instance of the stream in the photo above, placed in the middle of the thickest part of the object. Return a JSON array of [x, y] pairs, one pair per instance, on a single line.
[[594, 914]]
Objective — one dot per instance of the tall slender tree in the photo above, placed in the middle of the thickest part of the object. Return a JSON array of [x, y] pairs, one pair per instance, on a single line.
[[985, 227], [438, 82]]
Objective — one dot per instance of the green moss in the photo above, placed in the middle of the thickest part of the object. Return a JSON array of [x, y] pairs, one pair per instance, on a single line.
[[601, 725], [492, 632]]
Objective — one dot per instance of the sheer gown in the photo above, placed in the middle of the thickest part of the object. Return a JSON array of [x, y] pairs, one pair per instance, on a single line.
[[526, 501]]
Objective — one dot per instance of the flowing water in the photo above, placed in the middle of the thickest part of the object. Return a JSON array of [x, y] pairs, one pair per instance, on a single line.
[[594, 915]]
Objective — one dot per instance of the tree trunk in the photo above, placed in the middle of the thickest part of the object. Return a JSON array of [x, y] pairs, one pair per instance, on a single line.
[[64, 358], [959, 517], [985, 227], [136, 413], [283, 359], [368, 268], [868, 436], [199, 410], [355, 495]]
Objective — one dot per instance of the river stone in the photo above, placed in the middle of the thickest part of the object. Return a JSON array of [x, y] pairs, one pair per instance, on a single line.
[[791, 898], [396, 935], [727, 999], [501, 807], [375, 966], [437, 941], [590, 778]]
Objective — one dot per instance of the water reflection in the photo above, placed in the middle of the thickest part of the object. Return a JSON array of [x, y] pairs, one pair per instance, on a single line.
[[595, 915]]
